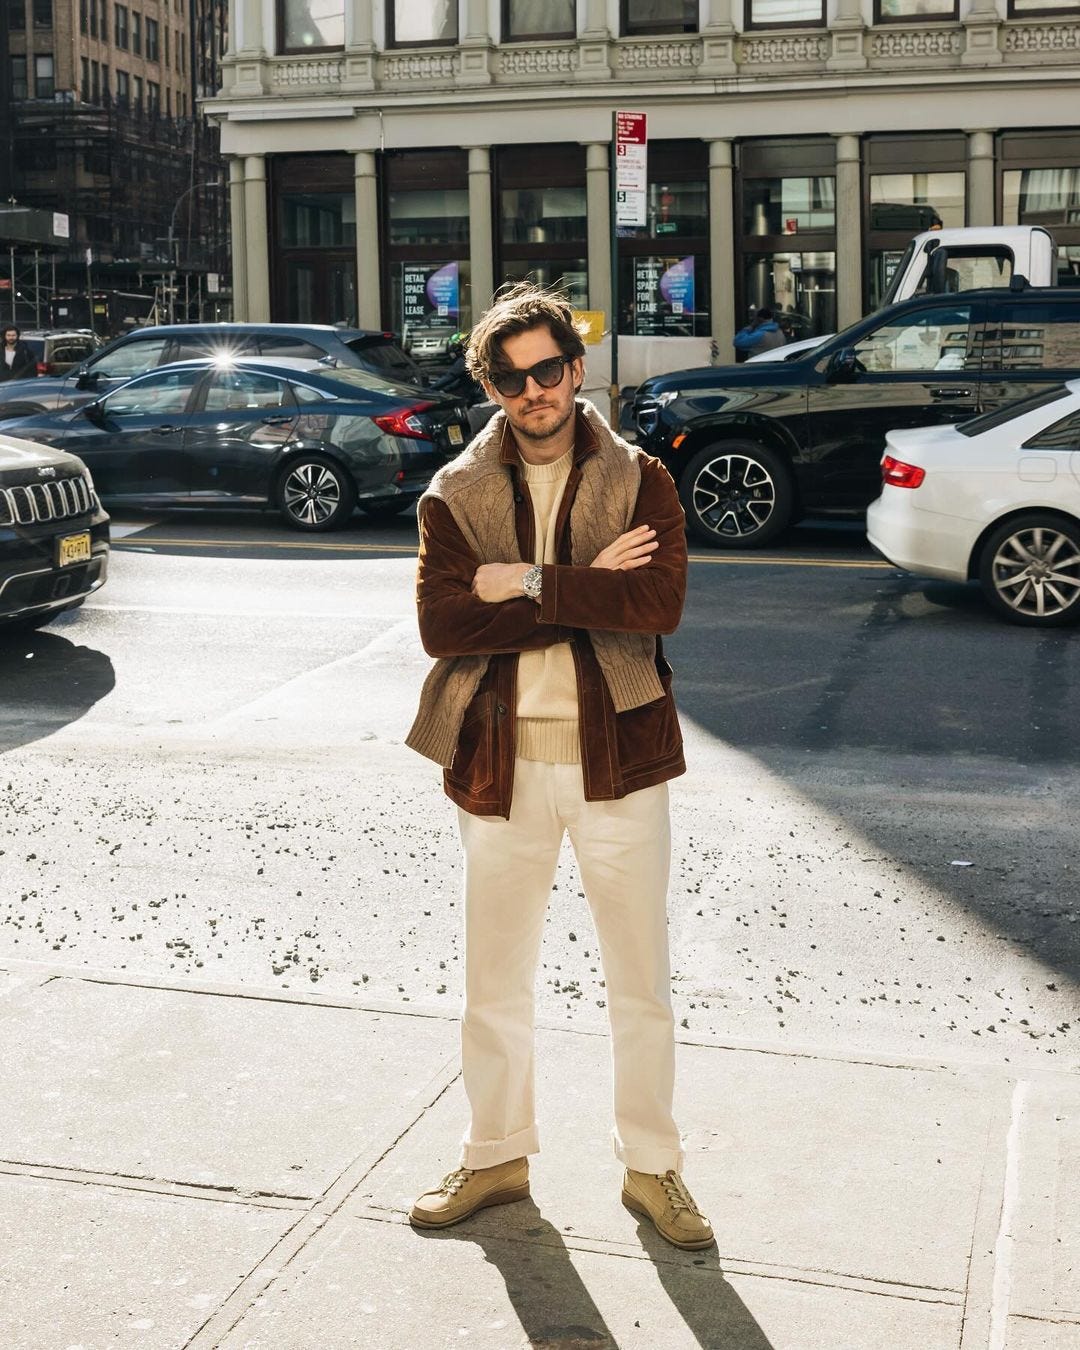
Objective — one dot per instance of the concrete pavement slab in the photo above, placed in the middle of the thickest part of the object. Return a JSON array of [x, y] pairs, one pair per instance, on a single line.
[[90, 1266], [370, 1285], [248, 1094], [868, 1171], [1028, 1334], [1042, 1231]]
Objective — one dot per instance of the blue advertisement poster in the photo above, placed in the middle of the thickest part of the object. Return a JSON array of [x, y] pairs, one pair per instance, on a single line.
[[664, 303], [430, 295]]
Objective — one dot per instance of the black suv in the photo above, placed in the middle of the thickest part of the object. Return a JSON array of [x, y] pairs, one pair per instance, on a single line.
[[54, 536], [755, 447], [146, 348]]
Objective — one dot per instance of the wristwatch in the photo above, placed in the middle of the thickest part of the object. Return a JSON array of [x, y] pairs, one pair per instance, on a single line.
[[531, 582]]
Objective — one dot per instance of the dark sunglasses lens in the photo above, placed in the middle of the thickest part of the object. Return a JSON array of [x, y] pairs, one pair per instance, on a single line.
[[547, 375]]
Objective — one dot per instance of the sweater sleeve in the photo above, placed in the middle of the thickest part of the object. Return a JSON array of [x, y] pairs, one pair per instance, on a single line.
[[646, 599], [453, 621]]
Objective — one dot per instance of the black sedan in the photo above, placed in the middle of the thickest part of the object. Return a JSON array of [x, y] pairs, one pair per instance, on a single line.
[[311, 440]]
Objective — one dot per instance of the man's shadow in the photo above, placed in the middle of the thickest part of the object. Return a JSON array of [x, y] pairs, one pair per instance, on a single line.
[[556, 1310]]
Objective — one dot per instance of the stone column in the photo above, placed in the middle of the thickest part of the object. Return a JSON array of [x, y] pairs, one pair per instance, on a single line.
[[368, 298], [256, 237], [476, 48], [849, 253], [980, 178], [481, 252], [717, 39], [598, 207], [722, 279], [982, 29], [359, 72], [847, 32], [594, 45], [237, 237]]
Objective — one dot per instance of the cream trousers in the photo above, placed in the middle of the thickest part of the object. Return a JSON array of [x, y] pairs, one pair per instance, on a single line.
[[623, 850]]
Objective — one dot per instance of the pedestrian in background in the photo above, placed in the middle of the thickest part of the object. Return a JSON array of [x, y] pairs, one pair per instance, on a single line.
[[761, 334], [552, 555], [19, 361]]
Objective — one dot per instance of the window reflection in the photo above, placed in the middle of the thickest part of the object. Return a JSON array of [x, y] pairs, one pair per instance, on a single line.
[[913, 202], [424, 21], [313, 24], [543, 215], [800, 289], [788, 205], [435, 216]]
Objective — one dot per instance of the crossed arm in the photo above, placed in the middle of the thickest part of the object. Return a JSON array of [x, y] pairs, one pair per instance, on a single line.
[[637, 583]]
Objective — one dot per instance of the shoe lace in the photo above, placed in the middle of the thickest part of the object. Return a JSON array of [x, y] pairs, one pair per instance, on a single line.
[[676, 1192], [453, 1181]]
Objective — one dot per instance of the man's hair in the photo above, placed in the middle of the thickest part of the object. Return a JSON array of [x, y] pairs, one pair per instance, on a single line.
[[517, 310], [764, 312]]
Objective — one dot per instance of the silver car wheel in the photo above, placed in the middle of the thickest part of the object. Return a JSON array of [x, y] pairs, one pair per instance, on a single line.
[[1036, 572], [733, 495], [311, 493]]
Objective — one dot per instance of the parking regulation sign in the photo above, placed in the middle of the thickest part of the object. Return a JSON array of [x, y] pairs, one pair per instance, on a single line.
[[630, 169]]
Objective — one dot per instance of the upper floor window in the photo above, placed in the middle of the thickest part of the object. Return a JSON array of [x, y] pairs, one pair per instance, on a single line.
[[1018, 9], [43, 13], [17, 16], [120, 21], [123, 88], [642, 17], [915, 11], [18, 77], [785, 13], [136, 33], [44, 80], [524, 19], [415, 23], [311, 25], [152, 50]]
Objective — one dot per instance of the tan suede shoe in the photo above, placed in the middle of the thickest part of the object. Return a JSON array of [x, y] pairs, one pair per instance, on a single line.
[[666, 1201], [464, 1191]]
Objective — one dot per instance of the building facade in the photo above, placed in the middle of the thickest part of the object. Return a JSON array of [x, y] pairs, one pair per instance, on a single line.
[[101, 126], [392, 163]]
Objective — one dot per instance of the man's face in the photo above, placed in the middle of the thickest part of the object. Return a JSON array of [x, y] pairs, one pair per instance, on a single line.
[[537, 414], [11, 335]]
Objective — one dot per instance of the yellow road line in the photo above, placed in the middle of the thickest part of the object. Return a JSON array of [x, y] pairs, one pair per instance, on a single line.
[[134, 543]]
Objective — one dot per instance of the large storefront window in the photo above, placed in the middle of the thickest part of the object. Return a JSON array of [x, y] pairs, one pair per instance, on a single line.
[[426, 277], [417, 23], [913, 183], [313, 264], [310, 25], [1040, 185], [664, 265], [787, 248], [542, 217]]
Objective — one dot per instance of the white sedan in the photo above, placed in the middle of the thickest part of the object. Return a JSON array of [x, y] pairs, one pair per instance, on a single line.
[[994, 499]]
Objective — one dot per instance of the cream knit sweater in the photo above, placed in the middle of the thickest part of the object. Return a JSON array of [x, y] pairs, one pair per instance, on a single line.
[[547, 702]]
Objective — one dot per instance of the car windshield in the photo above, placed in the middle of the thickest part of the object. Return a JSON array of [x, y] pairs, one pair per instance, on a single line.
[[387, 358], [975, 426], [365, 379]]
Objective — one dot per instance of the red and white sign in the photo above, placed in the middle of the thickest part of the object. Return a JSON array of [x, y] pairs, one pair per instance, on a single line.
[[631, 181]]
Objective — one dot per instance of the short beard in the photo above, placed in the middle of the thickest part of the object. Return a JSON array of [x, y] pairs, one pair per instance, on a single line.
[[530, 435]]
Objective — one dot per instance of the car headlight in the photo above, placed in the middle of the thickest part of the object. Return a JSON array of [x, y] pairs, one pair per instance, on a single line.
[[668, 396]]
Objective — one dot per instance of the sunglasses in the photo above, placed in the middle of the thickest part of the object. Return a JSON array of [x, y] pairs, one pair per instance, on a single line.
[[547, 374]]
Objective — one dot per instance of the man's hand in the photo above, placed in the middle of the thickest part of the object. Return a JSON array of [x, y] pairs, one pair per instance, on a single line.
[[631, 549], [499, 581]]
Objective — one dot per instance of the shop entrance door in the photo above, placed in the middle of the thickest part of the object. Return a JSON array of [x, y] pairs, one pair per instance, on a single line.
[[318, 288]]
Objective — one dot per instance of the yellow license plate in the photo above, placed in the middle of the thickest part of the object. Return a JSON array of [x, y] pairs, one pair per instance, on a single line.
[[456, 435], [73, 548]]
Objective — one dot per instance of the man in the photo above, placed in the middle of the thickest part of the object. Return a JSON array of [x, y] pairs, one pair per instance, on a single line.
[[761, 334], [551, 555], [18, 360]]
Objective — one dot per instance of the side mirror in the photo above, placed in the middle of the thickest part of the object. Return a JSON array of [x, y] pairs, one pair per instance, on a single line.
[[843, 366], [86, 379], [94, 412], [937, 281]]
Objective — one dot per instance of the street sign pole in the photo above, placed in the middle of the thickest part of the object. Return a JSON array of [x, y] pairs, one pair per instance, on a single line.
[[629, 147]]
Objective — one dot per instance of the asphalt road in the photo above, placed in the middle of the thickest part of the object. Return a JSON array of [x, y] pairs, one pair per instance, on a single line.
[[202, 772]]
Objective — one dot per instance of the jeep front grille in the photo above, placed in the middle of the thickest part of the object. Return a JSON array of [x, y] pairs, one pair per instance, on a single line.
[[40, 502]]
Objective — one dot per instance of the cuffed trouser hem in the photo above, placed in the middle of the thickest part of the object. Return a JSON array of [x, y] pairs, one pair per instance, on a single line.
[[648, 1158], [495, 1151]]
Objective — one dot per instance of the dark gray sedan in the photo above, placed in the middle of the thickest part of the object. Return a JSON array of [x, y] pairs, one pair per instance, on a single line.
[[313, 442]]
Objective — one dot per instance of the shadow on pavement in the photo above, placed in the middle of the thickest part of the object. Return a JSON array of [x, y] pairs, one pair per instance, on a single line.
[[46, 682], [557, 1312]]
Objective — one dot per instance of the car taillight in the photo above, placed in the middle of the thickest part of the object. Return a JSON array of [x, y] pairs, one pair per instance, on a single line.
[[42, 368], [899, 474], [405, 423]]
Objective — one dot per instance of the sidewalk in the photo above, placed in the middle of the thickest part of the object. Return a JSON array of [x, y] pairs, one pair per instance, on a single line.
[[201, 1166]]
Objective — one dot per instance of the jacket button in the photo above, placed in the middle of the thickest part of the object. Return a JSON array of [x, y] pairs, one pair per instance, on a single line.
[[500, 708]]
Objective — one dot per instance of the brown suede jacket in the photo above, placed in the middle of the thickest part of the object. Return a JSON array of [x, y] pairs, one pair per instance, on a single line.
[[620, 752]]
